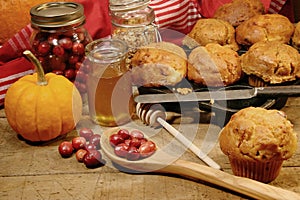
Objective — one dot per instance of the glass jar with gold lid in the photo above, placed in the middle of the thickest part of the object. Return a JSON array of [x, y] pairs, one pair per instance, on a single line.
[[59, 37], [133, 22]]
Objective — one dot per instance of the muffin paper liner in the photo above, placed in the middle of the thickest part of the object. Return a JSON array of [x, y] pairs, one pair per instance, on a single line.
[[261, 171]]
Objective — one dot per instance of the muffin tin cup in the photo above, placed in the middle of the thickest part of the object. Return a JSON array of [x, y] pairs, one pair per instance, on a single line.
[[264, 172]]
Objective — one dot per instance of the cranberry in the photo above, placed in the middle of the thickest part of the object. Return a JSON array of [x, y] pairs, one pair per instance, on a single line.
[[81, 76], [81, 87], [136, 134], [53, 39], [66, 43], [78, 65], [73, 59], [78, 143], [127, 142], [92, 159], [90, 147], [58, 72], [115, 139], [80, 154], [57, 63], [69, 74], [135, 142], [133, 153], [65, 149], [86, 133], [146, 149], [143, 140], [44, 48], [58, 50], [95, 140], [124, 134], [78, 48], [121, 150], [86, 68]]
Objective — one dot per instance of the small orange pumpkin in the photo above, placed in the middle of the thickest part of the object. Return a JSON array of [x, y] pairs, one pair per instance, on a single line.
[[42, 107]]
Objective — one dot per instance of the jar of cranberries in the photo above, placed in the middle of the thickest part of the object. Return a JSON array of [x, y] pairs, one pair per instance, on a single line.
[[133, 22], [59, 38]]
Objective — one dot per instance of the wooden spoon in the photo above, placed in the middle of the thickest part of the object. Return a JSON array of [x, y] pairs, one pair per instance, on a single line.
[[161, 162]]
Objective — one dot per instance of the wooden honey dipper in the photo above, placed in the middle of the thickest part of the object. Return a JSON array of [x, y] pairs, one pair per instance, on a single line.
[[154, 115]]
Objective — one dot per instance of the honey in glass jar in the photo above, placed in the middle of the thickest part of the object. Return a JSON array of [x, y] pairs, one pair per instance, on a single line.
[[109, 86]]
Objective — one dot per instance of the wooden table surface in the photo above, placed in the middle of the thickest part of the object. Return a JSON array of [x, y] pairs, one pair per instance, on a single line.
[[38, 171]]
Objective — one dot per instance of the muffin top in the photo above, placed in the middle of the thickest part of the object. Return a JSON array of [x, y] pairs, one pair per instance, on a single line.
[[296, 37], [158, 64], [274, 62], [211, 30], [267, 27], [214, 65], [239, 11], [259, 134]]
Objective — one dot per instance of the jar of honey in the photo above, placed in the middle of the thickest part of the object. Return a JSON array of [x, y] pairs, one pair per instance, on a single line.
[[59, 37], [109, 86]]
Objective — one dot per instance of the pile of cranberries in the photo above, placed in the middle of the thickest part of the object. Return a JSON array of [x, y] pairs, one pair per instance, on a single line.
[[63, 53], [86, 147], [131, 145]]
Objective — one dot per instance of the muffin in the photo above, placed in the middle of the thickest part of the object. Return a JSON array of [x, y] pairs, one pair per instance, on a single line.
[[257, 141], [271, 63], [214, 65], [239, 11], [268, 27], [158, 64], [211, 30], [296, 37]]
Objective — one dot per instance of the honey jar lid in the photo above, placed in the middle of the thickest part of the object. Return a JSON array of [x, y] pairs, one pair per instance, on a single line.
[[125, 5], [57, 14]]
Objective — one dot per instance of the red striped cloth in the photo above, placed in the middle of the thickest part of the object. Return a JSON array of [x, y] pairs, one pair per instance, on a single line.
[[180, 15], [276, 5]]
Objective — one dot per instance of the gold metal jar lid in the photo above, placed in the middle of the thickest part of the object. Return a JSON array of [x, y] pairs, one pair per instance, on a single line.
[[126, 5], [57, 14]]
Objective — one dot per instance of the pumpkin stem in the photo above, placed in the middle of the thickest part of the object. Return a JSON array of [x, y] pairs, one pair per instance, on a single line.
[[38, 67]]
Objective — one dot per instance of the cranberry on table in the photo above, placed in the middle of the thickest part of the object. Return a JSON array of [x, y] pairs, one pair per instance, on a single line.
[[95, 140], [92, 159], [80, 154], [90, 147], [86, 133], [79, 143], [65, 149]]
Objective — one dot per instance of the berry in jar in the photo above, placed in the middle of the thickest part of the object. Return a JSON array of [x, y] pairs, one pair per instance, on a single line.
[[59, 39]]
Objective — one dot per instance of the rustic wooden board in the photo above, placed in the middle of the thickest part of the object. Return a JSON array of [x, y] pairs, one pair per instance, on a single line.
[[38, 172]]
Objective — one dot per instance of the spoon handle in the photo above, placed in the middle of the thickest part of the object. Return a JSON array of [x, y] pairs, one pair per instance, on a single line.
[[241, 185], [187, 143]]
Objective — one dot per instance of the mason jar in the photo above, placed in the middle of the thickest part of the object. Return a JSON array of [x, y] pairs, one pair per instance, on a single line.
[[109, 85], [133, 22], [59, 37]]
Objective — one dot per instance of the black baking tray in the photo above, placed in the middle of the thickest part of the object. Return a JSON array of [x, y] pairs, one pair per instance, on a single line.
[[224, 109]]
